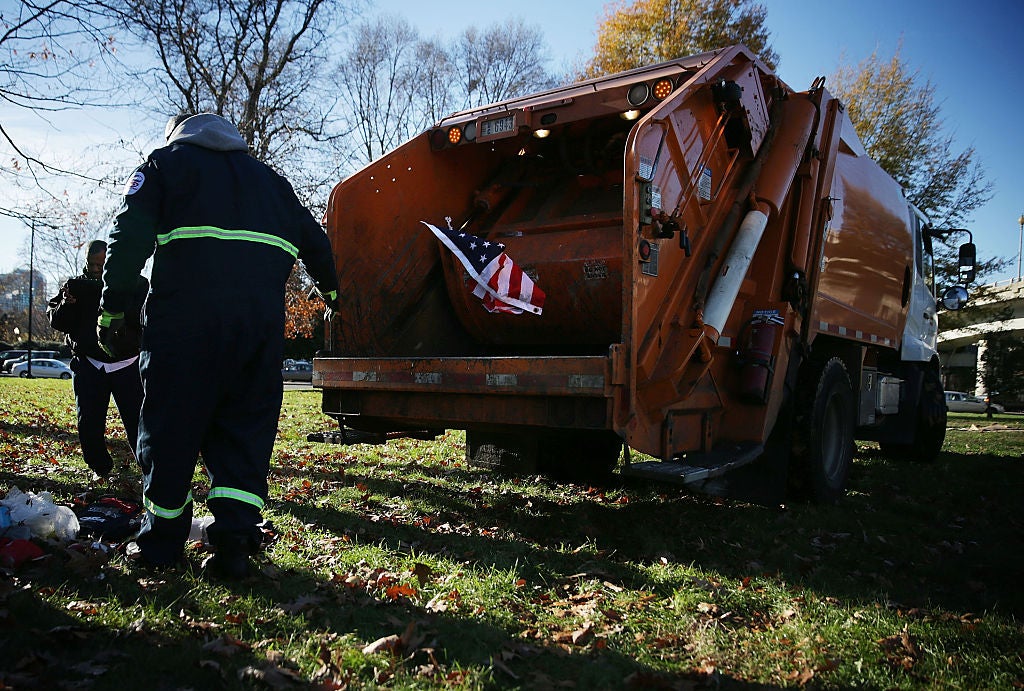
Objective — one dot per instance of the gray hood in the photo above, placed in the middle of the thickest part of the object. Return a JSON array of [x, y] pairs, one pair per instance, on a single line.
[[208, 131]]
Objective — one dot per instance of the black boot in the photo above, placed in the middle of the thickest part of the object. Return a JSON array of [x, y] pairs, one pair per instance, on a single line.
[[230, 561]]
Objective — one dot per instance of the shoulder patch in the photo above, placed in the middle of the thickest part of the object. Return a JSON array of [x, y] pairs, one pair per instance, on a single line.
[[134, 183]]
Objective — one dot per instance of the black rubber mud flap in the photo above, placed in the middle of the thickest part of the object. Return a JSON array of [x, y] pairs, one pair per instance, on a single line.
[[765, 481], [511, 454], [584, 456], [929, 424], [587, 456]]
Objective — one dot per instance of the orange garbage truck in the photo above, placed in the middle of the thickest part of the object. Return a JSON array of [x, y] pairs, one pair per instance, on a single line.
[[690, 261]]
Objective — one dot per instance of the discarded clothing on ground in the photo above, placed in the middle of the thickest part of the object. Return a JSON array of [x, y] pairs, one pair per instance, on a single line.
[[110, 518]]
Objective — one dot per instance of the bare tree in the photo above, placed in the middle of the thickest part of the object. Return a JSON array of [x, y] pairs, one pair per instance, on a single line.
[[54, 58], [258, 63], [436, 79], [380, 75], [64, 228], [500, 62]]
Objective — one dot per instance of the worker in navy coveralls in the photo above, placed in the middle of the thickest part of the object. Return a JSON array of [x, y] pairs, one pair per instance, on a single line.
[[97, 376], [224, 231]]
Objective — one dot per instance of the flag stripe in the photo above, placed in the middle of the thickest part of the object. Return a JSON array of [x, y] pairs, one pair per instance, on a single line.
[[501, 285]]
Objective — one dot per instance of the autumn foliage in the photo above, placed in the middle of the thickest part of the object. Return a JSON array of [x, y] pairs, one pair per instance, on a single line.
[[645, 32], [304, 315]]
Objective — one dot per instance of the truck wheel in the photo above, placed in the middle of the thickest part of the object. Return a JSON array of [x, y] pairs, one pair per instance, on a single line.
[[823, 447], [584, 456], [930, 428]]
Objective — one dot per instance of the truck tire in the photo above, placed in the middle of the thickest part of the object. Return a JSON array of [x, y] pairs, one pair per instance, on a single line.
[[930, 425], [823, 444]]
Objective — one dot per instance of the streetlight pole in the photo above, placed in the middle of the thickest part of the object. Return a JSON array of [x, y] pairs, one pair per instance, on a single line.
[[1020, 243], [31, 280]]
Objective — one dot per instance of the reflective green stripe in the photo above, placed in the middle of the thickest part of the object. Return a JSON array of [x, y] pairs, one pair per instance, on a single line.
[[106, 317], [161, 512], [236, 494], [222, 234]]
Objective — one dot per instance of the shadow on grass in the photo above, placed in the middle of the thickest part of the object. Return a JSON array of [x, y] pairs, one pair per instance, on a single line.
[[947, 535], [45, 647], [169, 640]]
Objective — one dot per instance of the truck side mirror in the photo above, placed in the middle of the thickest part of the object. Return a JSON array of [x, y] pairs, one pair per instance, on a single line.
[[954, 298], [967, 260]]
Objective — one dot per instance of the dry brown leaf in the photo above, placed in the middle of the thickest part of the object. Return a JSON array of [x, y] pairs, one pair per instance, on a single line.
[[89, 608], [423, 573], [225, 645], [388, 644], [583, 635], [707, 608], [303, 603]]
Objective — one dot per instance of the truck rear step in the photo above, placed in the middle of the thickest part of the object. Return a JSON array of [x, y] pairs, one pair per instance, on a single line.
[[696, 467]]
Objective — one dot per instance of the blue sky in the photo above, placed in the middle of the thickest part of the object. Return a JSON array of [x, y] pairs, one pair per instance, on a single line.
[[969, 50]]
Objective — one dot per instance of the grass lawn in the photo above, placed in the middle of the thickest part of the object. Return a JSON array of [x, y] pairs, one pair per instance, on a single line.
[[398, 566]]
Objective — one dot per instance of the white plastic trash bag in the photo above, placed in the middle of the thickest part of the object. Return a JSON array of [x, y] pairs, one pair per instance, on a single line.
[[40, 515]]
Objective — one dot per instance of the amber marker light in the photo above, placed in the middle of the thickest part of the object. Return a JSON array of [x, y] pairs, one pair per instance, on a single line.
[[454, 135], [662, 88]]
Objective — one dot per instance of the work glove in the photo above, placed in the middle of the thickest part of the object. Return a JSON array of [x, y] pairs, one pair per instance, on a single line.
[[331, 306], [110, 333]]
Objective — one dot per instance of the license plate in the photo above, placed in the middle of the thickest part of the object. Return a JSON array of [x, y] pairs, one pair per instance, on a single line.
[[491, 128]]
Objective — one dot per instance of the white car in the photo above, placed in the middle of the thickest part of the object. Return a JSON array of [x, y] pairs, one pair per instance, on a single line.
[[43, 367], [8, 365], [960, 402]]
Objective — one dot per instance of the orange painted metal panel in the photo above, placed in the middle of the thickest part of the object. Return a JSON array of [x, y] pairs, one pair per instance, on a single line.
[[621, 343]]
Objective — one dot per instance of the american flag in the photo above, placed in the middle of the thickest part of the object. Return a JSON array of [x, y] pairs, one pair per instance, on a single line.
[[501, 284]]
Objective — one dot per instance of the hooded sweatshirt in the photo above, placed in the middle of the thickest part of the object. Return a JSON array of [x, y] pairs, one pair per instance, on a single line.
[[223, 228]]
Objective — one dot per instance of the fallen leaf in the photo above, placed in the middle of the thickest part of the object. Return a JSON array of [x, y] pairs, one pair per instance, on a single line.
[[388, 644], [396, 591], [707, 608], [583, 635], [302, 604], [225, 645], [423, 573]]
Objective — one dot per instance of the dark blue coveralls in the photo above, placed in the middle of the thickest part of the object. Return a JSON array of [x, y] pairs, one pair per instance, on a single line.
[[94, 386], [226, 230]]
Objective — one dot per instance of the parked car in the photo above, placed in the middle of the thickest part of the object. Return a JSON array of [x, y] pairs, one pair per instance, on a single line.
[[10, 354], [960, 402], [298, 371], [43, 367], [10, 362]]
